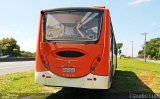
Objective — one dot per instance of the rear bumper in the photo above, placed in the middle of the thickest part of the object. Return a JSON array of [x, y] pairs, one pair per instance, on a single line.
[[89, 81]]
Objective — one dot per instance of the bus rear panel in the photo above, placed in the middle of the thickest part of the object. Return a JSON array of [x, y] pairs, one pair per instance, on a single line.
[[76, 48]]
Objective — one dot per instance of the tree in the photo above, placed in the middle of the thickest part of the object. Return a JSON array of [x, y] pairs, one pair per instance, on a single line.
[[141, 54], [26, 54], [9, 46], [119, 46], [1, 50], [152, 49], [34, 54]]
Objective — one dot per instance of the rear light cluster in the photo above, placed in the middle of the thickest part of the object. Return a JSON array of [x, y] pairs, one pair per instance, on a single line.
[[44, 61], [92, 79], [44, 76], [95, 63]]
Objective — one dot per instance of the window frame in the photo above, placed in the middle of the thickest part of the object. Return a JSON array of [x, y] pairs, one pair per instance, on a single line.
[[72, 9]]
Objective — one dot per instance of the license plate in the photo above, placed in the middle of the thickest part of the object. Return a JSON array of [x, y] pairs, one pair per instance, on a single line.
[[69, 69]]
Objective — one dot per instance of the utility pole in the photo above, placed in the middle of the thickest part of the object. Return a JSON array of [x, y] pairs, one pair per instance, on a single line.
[[132, 49], [145, 36]]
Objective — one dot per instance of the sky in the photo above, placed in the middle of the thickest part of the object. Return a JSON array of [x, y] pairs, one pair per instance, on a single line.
[[130, 18]]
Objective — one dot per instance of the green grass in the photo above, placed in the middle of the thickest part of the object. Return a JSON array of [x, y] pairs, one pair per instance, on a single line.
[[131, 76], [136, 76], [22, 84], [137, 66], [19, 82]]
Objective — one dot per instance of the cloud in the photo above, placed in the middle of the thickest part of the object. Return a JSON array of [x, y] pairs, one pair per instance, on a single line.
[[137, 2]]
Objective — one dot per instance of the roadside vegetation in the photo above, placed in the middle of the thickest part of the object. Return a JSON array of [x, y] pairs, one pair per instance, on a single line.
[[23, 83], [136, 76], [152, 49], [9, 47], [132, 76], [14, 86]]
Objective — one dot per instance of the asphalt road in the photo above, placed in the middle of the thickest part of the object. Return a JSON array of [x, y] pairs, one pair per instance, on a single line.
[[18, 66]]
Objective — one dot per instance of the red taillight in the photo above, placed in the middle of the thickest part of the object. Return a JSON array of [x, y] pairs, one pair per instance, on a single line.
[[95, 63], [48, 76], [94, 79], [44, 60], [43, 75], [89, 78], [42, 57], [98, 59]]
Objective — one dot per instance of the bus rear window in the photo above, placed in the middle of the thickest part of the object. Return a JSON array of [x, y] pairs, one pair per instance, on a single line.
[[72, 25]]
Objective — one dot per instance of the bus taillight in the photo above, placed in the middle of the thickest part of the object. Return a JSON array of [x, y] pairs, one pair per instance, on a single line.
[[95, 63], [44, 61], [98, 59]]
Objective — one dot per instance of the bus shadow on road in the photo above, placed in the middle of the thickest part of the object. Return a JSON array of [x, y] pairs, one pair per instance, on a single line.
[[125, 85]]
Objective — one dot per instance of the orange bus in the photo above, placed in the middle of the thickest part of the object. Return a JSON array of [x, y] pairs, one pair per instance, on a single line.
[[76, 47]]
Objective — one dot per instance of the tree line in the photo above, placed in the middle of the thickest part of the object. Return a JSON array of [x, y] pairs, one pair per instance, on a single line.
[[9, 46], [152, 49]]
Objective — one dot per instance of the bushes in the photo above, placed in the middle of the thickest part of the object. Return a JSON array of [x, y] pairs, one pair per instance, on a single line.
[[152, 49], [26, 54], [9, 46]]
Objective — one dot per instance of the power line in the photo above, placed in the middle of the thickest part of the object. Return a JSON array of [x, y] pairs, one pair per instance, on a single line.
[[145, 36]]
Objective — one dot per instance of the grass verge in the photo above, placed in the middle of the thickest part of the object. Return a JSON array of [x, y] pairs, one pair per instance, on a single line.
[[22, 84], [136, 76], [132, 76]]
